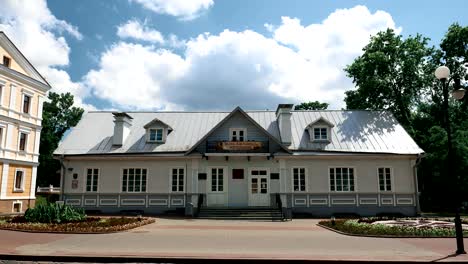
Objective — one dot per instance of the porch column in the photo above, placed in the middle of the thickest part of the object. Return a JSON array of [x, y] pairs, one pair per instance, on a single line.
[[283, 182], [194, 191]]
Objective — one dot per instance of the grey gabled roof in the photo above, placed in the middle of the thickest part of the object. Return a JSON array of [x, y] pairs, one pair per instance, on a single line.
[[353, 131]]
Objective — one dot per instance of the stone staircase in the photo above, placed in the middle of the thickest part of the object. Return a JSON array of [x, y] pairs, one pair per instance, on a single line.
[[257, 213]]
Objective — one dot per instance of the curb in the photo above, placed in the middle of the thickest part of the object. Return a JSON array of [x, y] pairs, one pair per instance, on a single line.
[[73, 232], [177, 260], [377, 236]]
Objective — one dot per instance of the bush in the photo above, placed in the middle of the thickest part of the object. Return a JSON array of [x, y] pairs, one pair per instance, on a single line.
[[54, 213], [363, 227]]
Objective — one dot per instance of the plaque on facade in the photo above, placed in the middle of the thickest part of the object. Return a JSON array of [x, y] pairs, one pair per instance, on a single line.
[[239, 145], [74, 184]]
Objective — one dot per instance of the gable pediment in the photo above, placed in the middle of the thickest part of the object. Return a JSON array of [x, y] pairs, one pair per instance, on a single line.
[[19, 62], [157, 123], [239, 120]]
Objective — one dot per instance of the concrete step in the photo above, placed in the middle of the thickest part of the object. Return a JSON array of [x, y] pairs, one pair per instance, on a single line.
[[261, 213]]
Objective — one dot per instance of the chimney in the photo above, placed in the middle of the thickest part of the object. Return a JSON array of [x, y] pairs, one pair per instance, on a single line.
[[122, 124], [283, 117]]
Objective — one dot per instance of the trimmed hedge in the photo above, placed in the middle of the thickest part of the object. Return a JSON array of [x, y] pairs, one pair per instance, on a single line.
[[358, 227], [89, 225], [54, 213]]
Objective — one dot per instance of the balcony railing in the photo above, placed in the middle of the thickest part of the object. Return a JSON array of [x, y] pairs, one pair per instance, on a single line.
[[237, 147], [48, 190]]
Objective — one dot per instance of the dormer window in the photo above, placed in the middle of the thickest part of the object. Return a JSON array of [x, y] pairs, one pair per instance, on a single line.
[[320, 130], [238, 134], [157, 131], [156, 135], [320, 133]]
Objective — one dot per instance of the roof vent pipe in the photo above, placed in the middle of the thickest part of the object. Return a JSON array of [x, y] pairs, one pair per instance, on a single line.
[[283, 117], [122, 124]]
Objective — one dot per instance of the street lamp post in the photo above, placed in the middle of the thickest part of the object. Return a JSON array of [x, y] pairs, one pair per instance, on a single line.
[[443, 73]]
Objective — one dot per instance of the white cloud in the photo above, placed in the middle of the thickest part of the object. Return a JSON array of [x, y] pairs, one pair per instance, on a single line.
[[39, 35], [184, 9], [298, 63], [132, 76], [134, 29]]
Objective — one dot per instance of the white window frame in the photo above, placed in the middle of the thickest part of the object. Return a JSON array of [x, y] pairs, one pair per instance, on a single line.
[[334, 180], [21, 131], [237, 130], [225, 179], [3, 127], [305, 179], [92, 178], [13, 206], [31, 97], [2, 88], [22, 180], [163, 135], [178, 179], [141, 180], [327, 129], [392, 185]]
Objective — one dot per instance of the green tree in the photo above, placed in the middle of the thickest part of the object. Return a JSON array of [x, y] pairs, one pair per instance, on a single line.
[[397, 74], [315, 105], [58, 116], [390, 74]]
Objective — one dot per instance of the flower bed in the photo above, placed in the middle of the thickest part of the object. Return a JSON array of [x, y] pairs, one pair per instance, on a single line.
[[88, 225], [369, 227]]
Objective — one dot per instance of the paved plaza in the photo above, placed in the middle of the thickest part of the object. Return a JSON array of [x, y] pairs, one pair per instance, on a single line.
[[186, 238]]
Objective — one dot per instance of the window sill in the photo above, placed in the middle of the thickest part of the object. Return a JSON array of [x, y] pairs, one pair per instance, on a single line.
[[18, 191]]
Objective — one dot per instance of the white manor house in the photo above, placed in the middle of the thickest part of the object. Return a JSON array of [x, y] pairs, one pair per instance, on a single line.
[[316, 162]]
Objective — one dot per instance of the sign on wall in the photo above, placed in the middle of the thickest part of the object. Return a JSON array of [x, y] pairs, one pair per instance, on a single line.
[[239, 145]]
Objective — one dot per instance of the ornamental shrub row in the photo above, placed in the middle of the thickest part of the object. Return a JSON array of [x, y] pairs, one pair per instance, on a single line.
[[363, 228], [54, 213]]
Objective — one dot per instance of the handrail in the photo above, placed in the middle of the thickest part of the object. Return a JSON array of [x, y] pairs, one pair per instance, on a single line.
[[50, 189], [279, 204], [200, 203]]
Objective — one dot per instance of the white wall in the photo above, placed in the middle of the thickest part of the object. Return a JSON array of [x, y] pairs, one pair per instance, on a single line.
[[366, 179]]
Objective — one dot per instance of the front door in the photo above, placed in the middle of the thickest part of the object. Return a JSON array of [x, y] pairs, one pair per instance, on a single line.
[[216, 189], [259, 190]]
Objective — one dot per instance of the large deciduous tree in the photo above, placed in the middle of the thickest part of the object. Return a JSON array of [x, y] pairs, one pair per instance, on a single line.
[[397, 74], [315, 105], [390, 74], [58, 116]]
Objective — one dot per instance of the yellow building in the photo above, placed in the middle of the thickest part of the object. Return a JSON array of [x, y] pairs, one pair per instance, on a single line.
[[22, 93]]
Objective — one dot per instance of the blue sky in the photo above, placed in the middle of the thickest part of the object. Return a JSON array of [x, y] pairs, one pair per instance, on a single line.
[[209, 54]]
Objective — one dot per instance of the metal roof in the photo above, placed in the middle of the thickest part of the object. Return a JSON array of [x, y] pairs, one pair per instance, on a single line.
[[353, 131]]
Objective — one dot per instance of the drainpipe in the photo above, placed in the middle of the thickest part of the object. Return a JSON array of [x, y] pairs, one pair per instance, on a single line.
[[415, 178]]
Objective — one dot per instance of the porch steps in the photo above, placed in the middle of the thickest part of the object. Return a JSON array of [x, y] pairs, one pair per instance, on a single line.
[[258, 214]]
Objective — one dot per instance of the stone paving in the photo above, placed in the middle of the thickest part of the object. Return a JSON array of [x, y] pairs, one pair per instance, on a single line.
[[300, 239]]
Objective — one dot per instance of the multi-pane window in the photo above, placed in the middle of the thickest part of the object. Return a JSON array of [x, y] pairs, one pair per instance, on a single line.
[[385, 179], [342, 179], [217, 179], [156, 134], [1, 136], [299, 179], [320, 133], [92, 178], [22, 141], [26, 103], [6, 61], [19, 178], [177, 179], [134, 180], [238, 134]]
